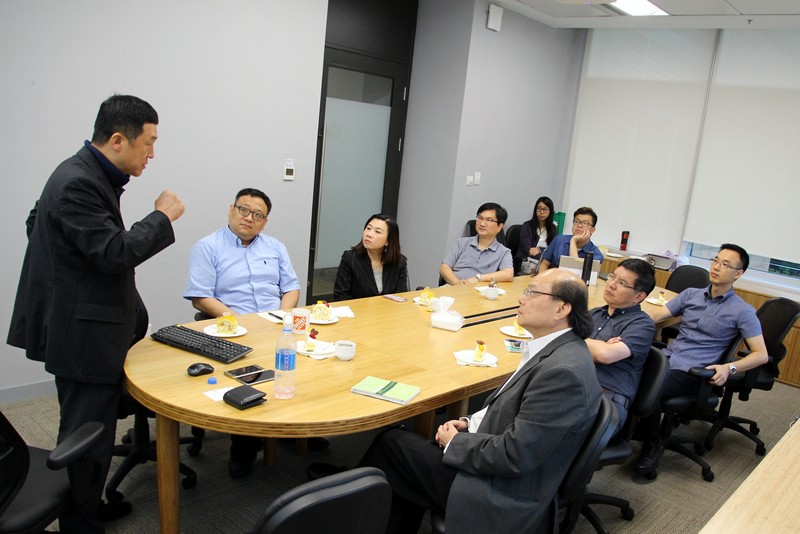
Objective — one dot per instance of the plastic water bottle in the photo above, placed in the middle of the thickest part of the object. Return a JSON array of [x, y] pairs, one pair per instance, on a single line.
[[285, 355]]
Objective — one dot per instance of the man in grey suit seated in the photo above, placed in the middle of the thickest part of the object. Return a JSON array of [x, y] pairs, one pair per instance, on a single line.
[[499, 470]]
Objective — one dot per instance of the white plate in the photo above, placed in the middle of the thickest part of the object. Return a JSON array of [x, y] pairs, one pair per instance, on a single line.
[[655, 301], [323, 349], [509, 330], [465, 357], [211, 330], [333, 319], [613, 255], [481, 290]]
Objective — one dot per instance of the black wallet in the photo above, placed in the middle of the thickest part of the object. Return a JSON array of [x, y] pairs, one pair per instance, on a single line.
[[244, 397]]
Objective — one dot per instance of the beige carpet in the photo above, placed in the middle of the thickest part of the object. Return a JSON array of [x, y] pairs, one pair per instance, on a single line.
[[678, 501]]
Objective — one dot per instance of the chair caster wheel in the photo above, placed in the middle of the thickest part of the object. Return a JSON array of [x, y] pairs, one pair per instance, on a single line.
[[189, 481], [651, 475], [754, 430], [627, 513], [114, 497], [761, 450], [194, 450], [699, 449], [708, 476]]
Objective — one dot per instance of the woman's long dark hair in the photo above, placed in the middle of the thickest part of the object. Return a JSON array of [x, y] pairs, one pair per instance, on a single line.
[[549, 225], [391, 252]]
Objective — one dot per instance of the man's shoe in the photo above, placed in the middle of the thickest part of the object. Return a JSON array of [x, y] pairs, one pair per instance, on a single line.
[[239, 468], [109, 511], [649, 457], [318, 470]]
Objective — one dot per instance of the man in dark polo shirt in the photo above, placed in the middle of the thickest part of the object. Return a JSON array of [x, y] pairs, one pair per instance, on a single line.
[[622, 333]]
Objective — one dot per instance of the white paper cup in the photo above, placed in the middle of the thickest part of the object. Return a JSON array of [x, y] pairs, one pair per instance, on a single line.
[[491, 293], [300, 319], [344, 350]]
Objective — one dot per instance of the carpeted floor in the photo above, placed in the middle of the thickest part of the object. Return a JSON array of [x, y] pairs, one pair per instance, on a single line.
[[678, 501]]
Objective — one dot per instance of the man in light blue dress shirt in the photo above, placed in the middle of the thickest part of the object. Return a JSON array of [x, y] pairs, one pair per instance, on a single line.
[[236, 270]]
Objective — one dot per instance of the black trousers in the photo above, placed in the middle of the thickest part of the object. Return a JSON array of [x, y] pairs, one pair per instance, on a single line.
[[678, 383], [414, 469], [83, 402]]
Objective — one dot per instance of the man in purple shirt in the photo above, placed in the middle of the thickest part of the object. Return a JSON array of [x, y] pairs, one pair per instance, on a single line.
[[710, 319]]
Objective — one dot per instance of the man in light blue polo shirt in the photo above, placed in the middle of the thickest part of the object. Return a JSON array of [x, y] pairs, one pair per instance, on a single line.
[[710, 319], [584, 221], [237, 270], [480, 258]]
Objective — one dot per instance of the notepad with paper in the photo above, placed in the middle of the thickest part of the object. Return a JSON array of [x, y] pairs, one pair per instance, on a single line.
[[386, 390]]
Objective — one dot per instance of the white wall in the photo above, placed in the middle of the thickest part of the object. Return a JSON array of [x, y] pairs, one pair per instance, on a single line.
[[510, 119], [237, 90]]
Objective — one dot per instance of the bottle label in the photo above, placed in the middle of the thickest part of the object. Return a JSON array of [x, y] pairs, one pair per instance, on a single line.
[[285, 360]]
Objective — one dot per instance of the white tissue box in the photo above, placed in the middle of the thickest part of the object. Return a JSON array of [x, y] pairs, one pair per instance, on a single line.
[[449, 320]]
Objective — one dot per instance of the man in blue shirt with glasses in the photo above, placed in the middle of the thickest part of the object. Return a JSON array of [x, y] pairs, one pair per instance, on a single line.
[[584, 221]]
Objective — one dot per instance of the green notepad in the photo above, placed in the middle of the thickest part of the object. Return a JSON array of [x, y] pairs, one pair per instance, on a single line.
[[386, 390]]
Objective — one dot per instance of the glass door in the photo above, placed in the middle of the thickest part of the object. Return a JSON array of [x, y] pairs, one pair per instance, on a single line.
[[358, 157]]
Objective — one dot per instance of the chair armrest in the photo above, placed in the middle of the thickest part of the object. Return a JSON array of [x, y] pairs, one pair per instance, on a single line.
[[701, 372], [76, 446], [704, 390]]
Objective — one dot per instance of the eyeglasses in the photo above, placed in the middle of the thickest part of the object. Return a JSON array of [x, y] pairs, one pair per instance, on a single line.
[[543, 209], [580, 223], [724, 264], [528, 292], [244, 212], [613, 278], [487, 219]]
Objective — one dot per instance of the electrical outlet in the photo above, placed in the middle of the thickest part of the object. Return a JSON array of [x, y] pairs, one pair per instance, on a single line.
[[477, 180], [470, 179]]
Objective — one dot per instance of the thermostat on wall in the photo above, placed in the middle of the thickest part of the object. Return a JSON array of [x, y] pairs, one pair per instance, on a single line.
[[288, 169]]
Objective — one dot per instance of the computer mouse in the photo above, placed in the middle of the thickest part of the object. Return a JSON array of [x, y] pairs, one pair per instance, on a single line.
[[199, 369]]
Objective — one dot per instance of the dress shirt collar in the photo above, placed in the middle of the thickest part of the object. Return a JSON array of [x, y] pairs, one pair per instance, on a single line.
[[116, 177], [725, 296], [234, 239]]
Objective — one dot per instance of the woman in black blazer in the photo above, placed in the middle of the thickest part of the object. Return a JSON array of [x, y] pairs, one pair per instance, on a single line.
[[375, 265]]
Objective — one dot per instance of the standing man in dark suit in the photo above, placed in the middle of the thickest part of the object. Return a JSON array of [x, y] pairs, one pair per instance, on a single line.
[[77, 308], [499, 470]]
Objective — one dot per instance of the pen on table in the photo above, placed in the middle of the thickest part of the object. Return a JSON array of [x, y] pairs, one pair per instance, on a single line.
[[276, 316]]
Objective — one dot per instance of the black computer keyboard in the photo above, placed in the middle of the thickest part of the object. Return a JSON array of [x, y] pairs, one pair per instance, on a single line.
[[201, 343]]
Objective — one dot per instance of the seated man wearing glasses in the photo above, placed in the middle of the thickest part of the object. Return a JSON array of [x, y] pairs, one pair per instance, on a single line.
[[480, 258], [622, 333], [576, 245], [237, 269], [710, 319]]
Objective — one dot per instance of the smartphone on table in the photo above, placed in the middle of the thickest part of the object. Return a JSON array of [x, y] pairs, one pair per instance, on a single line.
[[251, 374]]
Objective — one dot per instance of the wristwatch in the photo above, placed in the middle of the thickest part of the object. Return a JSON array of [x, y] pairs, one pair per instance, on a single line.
[[479, 276], [731, 369]]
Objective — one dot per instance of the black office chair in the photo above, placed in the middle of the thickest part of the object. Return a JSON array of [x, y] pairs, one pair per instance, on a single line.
[[654, 374], [683, 277], [512, 243], [573, 488], [685, 408], [352, 502], [137, 447], [777, 316], [35, 489]]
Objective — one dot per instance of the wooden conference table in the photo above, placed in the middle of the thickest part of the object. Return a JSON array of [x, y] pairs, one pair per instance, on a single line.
[[394, 341]]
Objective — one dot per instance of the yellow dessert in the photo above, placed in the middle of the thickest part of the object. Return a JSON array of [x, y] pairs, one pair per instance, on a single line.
[[227, 324], [321, 311], [426, 296], [662, 297], [311, 343], [518, 329], [480, 348]]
